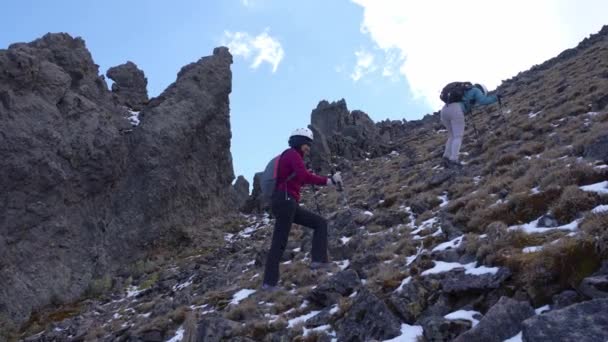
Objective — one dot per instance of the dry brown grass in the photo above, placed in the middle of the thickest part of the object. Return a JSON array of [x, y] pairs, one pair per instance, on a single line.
[[572, 203], [386, 279], [579, 174], [563, 265], [258, 330], [297, 273], [596, 226], [245, 311], [519, 208]]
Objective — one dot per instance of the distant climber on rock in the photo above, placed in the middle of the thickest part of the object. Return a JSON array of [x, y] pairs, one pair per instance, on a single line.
[[459, 99], [287, 178]]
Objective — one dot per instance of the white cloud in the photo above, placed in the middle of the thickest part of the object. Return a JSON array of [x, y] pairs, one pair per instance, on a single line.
[[261, 48], [481, 40], [365, 64]]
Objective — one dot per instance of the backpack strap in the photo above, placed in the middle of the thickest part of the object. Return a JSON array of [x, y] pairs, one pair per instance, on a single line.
[[276, 169]]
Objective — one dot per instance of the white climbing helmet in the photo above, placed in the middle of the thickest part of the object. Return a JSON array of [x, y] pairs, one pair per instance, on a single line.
[[303, 132], [483, 88]]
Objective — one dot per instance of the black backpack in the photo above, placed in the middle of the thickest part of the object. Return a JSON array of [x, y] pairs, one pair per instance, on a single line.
[[453, 92]]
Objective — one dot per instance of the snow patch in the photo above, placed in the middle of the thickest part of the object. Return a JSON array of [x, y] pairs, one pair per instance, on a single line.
[[133, 291], [600, 188], [532, 249], [325, 328], [343, 264], [455, 243], [600, 209], [465, 315], [533, 115], [133, 118], [532, 227], [345, 240], [241, 295], [542, 309], [409, 333], [184, 285], [442, 266], [444, 200], [403, 283], [516, 338], [301, 319], [368, 213], [179, 335]]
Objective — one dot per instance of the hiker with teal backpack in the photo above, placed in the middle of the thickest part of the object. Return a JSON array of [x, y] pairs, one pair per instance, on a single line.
[[459, 99], [281, 183]]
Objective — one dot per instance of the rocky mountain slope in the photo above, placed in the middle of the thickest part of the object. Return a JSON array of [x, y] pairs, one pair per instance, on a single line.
[[89, 185], [513, 247]]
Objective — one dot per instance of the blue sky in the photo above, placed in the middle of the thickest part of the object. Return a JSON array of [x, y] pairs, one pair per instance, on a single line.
[[388, 58]]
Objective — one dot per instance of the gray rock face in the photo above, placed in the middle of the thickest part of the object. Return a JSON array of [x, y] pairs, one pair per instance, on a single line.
[[582, 322], [339, 132], [81, 191], [130, 85], [241, 189], [341, 284], [367, 319], [598, 149], [458, 282], [501, 322], [215, 329], [596, 286], [565, 299], [413, 299], [254, 202], [439, 329]]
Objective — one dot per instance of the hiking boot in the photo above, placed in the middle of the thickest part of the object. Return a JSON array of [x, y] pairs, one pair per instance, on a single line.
[[322, 266], [454, 165], [445, 162]]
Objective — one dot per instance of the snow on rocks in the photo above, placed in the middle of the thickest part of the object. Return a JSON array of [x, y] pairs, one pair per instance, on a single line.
[[444, 200], [442, 266], [301, 319], [532, 249], [179, 335], [542, 309], [600, 209], [468, 315], [133, 118], [133, 291], [409, 333], [455, 243], [241, 295], [516, 338], [600, 188], [403, 283], [343, 264], [533, 228]]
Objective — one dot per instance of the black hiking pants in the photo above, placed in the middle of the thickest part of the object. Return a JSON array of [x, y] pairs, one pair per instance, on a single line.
[[288, 211]]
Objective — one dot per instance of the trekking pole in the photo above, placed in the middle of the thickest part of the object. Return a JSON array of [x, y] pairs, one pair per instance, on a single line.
[[502, 114], [475, 129], [340, 189], [314, 195]]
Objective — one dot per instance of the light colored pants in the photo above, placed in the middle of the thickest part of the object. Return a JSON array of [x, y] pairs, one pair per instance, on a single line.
[[452, 118]]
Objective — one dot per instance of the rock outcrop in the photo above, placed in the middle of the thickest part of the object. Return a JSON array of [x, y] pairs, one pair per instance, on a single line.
[[339, 132], [82, 192], [130, 85]]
